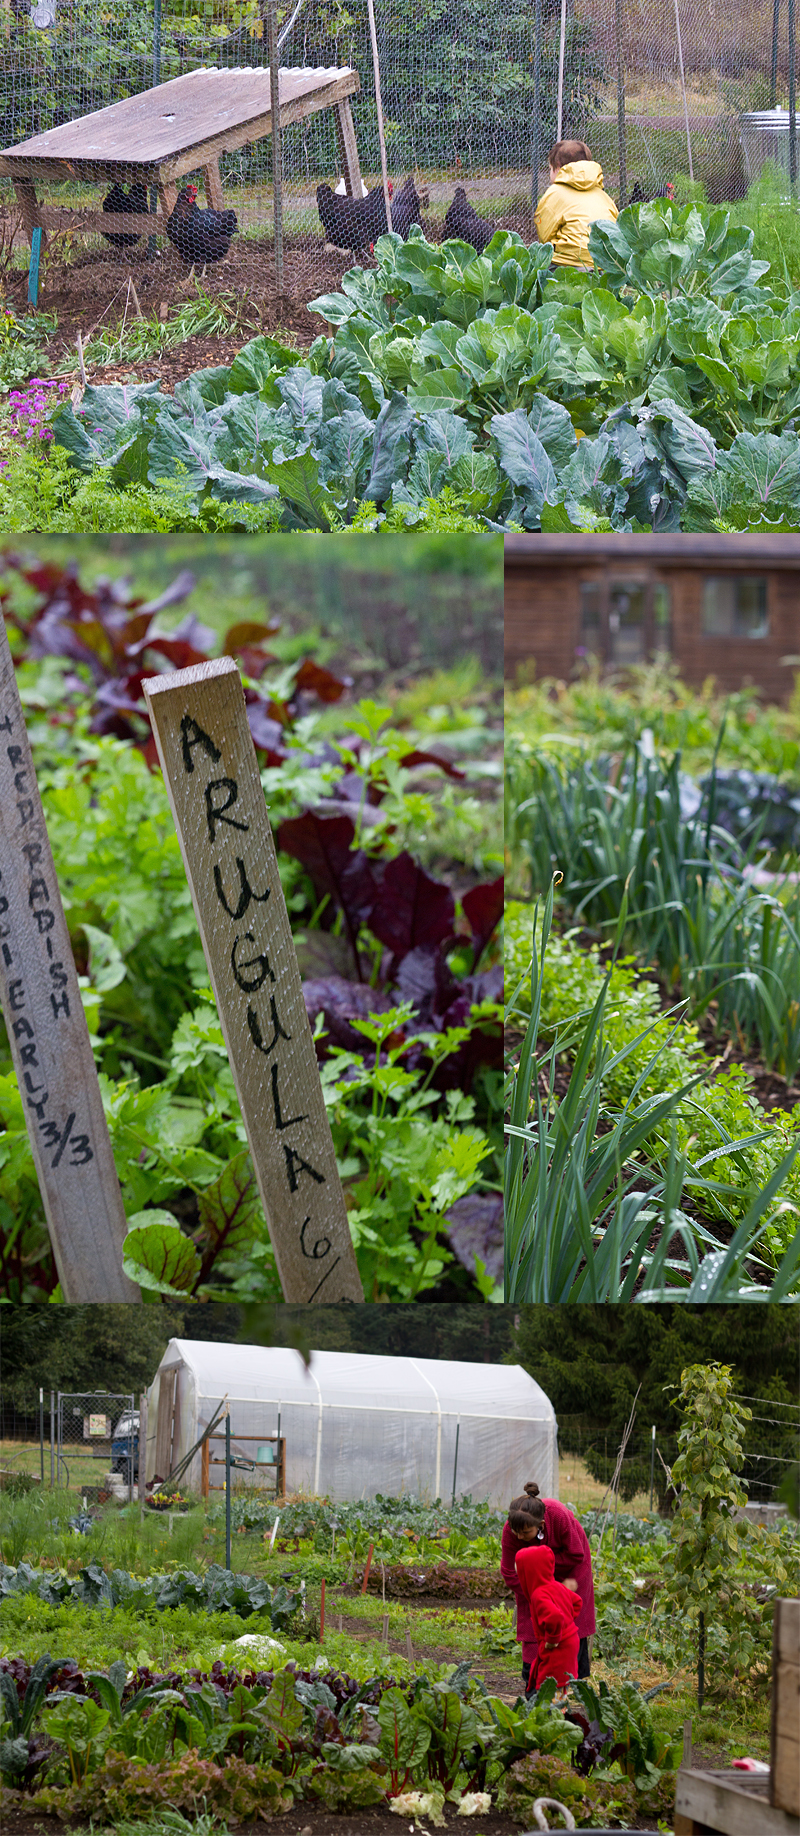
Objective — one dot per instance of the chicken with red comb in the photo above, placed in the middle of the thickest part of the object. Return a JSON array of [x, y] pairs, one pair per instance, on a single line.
[[200, 235]]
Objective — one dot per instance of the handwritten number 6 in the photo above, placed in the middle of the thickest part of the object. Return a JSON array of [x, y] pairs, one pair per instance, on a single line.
[[321, 1247]]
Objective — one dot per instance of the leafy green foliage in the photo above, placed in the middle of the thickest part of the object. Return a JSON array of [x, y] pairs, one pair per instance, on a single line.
[[581, 1204], [659, 391], [662, 247], [407, 1081], [539, 1775], [21, 344], [216, 1591], [705, 1537]]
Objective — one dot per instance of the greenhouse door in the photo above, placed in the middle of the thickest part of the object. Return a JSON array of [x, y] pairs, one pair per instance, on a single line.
[[624, 622]]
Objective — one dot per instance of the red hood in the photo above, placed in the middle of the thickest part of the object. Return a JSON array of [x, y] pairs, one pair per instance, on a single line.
[[536, 1566]]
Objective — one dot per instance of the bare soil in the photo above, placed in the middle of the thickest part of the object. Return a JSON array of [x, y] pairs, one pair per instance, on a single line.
[[305, 1820], [89, 293], [86, 286]]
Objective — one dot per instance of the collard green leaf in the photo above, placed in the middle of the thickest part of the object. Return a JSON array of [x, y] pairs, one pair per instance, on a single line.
[[524, 460], [254, 369], [107, 423], [391, 448], [554, 428], [764, 468]]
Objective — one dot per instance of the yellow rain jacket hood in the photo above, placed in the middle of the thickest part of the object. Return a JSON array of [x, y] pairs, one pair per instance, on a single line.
[[568, 208]]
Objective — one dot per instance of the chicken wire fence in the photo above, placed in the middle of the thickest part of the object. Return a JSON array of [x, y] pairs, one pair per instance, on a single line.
[[471, 95]]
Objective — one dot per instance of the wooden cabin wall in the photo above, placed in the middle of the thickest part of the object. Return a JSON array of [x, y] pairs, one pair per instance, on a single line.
[[542, 623]]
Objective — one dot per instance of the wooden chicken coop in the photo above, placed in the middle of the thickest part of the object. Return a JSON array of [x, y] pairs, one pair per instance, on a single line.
[[721, 606], [159, 137]]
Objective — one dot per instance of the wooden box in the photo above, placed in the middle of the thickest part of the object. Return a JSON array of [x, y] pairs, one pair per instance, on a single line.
[[785, 1721]]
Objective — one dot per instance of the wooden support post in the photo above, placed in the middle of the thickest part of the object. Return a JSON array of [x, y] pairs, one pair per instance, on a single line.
[[213, 185], [48, 1035], [367, 1568], [28, 208], [168, 198], [348, 149], [210, 770]]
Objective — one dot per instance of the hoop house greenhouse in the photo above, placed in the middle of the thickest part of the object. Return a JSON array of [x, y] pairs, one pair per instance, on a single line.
[[354, 1425]]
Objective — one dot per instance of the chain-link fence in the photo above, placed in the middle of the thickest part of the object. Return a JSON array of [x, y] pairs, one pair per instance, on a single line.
[[471, 96], [96, 1442]]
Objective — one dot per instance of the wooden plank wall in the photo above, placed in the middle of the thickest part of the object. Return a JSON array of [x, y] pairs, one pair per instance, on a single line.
[[785, 1720]]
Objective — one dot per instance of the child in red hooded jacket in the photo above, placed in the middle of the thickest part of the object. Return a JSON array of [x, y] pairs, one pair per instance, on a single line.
[[554, 1612]]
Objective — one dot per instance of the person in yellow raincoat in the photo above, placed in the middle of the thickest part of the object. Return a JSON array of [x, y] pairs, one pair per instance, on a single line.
[[573, 201]]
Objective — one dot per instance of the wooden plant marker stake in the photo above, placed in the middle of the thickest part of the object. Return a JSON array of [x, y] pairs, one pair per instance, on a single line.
[[211, 774], [48, 1034]]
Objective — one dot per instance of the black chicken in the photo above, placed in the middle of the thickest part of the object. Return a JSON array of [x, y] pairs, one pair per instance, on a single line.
[[356, 223], [406, 208], [640, 196], [200, 235], [464, 222], [131, 203]]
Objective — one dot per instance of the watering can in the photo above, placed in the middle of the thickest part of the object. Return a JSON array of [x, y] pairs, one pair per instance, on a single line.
[[542, 1804]]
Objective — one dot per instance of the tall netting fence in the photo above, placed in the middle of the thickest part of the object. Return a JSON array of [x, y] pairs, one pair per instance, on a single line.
[[662, 91]]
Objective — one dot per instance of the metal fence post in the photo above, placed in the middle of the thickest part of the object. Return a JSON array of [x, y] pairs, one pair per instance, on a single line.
[[52, 1439], [277, 157], [142, 1464], [228, 1492], [652, 1462], [41, 1435]]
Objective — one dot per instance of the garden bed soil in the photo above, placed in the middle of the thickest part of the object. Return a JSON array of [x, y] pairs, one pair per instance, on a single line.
[[90, 293], [313, 1820], [305, 1820]]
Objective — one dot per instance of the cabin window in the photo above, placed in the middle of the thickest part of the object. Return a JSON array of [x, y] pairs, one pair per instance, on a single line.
[[624, 622], [627, 610], [735, 606], [591, 618]]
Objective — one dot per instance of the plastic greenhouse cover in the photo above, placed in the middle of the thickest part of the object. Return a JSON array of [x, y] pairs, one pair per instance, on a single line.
[[355, 1425]]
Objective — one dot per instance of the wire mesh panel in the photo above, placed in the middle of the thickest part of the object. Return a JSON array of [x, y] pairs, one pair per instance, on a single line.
[[97, 1433], [472, 96]]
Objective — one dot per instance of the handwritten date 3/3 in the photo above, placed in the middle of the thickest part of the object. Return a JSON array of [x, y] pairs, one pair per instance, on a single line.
[[58, 1139]]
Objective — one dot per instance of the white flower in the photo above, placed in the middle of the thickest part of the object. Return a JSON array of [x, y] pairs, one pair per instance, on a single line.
[[418, 1804]]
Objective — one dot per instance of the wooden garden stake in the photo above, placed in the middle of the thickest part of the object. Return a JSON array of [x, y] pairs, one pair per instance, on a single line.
[[211, 774], [321, 1611], [367, 1568], [48, 1034], [409, 1646]]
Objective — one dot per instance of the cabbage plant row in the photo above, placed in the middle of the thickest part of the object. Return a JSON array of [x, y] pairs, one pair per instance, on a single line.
[[659, 391]]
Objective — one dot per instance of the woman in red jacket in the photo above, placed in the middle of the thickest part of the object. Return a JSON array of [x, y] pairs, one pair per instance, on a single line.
[[532, 1519]]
